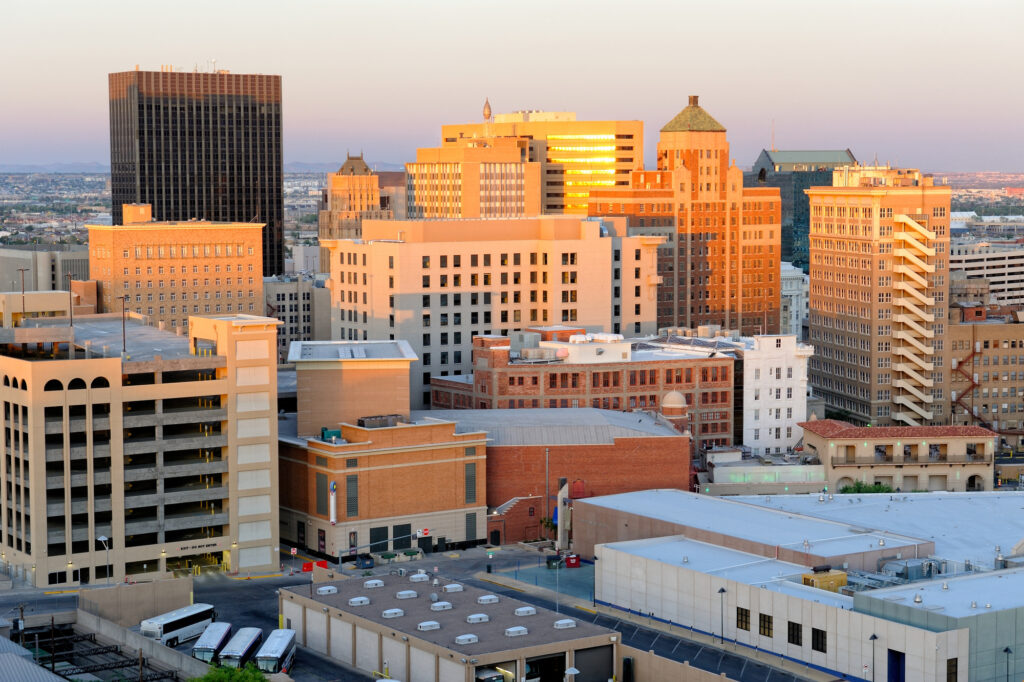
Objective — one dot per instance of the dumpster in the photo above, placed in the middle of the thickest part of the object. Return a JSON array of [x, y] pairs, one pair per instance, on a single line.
[[554, 561], [572, 561]]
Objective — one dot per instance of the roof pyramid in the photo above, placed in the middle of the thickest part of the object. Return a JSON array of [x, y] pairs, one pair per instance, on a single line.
[[693, 119]]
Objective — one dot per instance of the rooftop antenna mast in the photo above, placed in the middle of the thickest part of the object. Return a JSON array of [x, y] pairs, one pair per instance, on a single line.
[[773, 135]]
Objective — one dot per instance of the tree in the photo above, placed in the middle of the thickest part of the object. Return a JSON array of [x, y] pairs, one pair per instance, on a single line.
[[862, 487], [249, 673]]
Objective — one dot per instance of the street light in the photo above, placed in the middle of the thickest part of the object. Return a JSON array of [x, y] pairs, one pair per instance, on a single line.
[[23, 271], [124, 336], [71, 300], [103, 539], [873, 638], [571, 671], [1007, 651], [721, 611]]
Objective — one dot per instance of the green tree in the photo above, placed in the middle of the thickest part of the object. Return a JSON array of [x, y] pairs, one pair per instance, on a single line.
[[862, 487], [249, 673]]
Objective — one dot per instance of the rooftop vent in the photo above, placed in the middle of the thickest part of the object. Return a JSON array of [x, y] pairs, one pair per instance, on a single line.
[[477, 618], [327, 589], [516, 631], [441, 606], [945, 586], [370, 584], [428, 625], [526, 611], [405, 594], [974, 604], [917, 599], [359, 601], [393, 613], [467, 639], [565, 624], [487, 599], [453, 587], [419, 578], [380, 421]]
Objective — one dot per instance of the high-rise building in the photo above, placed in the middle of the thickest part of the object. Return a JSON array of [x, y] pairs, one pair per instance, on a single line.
[[879, 250], [139, 462], [352, 195], [200, 146], [796, 286], [720, 262], [793, 172], [1000, 262], [481, 178], [303, 304], [439, 283], [170, 270], [575, 156]]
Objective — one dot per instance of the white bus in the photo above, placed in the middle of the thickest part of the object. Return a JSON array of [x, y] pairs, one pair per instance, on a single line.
[[215, 636], [180, 625], [242, 647], [278, 652]]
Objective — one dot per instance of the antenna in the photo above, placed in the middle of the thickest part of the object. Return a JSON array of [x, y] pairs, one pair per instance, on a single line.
[[773, 135], [214, 60]]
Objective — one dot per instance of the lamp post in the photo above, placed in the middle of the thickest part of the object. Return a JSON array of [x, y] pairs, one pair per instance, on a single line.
[[1007, 651], [721, 613], [71, 300], [873, 638], [106, 548], [124, 336], [23, 271]]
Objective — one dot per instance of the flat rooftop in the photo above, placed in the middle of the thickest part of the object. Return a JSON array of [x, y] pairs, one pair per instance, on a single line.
[[103, 333], [491, 634], [731, 564], [759, 524], [953, 597], [552, 425], [960, 524], [313, 351]]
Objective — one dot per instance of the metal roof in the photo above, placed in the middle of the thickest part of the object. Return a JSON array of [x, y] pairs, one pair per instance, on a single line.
[[962, 596], [552, 426], [15, 667], [305, 351], [810, 156]]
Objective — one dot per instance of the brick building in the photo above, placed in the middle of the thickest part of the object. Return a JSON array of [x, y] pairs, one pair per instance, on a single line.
[[720, 261], [593, 452], [563, 367]]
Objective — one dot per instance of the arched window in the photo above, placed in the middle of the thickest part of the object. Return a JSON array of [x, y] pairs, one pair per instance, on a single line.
[[76, 384], [7, 380], [100, 382], [24, 387], [53, 385]]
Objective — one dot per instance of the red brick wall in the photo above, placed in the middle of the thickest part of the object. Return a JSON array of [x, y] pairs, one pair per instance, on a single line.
[[516, 524]]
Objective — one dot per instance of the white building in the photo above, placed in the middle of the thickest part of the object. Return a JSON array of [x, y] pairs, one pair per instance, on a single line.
[[304, 307], [795, 295], [1000, 262]]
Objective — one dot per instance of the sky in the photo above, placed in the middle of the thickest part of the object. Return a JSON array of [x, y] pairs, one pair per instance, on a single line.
[[934, 85]]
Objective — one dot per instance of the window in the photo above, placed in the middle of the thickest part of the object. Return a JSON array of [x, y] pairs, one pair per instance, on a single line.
[[795, 634], [952, 666], [764, 624], [818, 642], [470, 476], [742, 618], [352, 495]]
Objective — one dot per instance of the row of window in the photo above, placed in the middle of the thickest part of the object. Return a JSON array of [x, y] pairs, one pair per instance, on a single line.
[[794, 631]]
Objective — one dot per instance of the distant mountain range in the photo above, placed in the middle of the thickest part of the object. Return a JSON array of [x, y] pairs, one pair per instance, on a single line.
[[93, 167]]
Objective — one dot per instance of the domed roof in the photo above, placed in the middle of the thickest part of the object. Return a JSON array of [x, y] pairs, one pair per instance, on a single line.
[[673, 399]]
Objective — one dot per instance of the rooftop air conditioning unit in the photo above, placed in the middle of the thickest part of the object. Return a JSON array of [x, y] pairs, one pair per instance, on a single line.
[[477, 618], [370, 584], [565, 624], [359, 601], [516, 631], [393, 613], [419, 578], [405, 594], [526, 611], [453, 587], [428, 625], [487, 599], [467, 639], [327, 589], [441, 606]]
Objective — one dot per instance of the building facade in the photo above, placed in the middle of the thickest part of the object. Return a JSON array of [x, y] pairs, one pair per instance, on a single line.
[[595, 371], [879, 289], [793, 172], [719, 263], [576, 157], [303, 304], [165, 451], [171, 270], [352, 195], [200, 146], [986, 386], [795, 295], [47, 267], [905, 458], [1001, 263], [483, 178], [437, 284]]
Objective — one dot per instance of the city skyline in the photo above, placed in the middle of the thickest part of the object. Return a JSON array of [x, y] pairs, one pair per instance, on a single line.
[[383, 79]]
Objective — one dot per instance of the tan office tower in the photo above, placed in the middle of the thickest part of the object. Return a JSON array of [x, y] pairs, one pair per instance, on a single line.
[[481, 178], [879, 252], [141, 463], [439, 283], [352, 195], [167, 270], [720, 262], [575, 156]]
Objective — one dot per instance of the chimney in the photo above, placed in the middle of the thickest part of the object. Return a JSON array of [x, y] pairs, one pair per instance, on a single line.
[[693, 100]]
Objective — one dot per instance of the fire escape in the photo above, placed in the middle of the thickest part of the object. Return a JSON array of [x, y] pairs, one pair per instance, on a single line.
[[913, 261], [972, 379]]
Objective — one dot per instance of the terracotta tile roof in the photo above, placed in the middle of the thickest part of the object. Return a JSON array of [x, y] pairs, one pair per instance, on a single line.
[[834, 428]]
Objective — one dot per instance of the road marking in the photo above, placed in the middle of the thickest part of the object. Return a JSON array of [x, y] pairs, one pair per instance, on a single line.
[[62, 592], [584, 608], [507, 587], [256, 577]]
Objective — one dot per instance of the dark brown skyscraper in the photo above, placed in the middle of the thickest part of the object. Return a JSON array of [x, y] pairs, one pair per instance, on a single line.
[[200, 145]]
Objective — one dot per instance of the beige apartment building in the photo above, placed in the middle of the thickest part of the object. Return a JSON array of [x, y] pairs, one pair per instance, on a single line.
[[905, 458], [159, 458], [170, 270], [575, 156], [986, 386], [879, 256], [439, 283], [479, 178]]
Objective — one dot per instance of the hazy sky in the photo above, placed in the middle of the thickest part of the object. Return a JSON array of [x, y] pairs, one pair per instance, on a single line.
[[937, 85]]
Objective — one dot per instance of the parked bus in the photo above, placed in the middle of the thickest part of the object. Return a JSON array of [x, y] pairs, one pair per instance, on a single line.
[[180, 625], [278, 653], [242, 647], [215, 636]]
